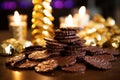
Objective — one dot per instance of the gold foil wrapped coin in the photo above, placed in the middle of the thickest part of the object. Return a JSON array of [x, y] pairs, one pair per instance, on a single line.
[[98, 18], [110, 22], [13, 46], [115, 42], [101, 32]]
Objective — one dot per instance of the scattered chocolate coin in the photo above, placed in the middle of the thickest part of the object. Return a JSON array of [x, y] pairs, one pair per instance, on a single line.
[[26, 64], [38, 55], [106, 57], [15, 59], [98, 62], [66, 61], [46, 66]]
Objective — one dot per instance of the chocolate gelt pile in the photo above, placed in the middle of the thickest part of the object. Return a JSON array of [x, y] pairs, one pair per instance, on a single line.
[[66, 52]]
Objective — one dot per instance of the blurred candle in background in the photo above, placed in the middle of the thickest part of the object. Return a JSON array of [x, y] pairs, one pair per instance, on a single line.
[[67, 21], [81, 18], [18, 26]]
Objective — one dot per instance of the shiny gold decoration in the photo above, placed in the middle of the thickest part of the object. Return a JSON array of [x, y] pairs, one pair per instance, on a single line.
[[101, 32], [12, 46], [42, 18]]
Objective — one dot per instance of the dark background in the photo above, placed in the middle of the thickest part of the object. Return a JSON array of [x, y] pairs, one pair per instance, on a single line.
[[105, 7]]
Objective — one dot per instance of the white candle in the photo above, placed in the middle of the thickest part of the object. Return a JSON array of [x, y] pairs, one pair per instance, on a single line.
[[17, 19], [18, 26], [68, 22], [81, 18]]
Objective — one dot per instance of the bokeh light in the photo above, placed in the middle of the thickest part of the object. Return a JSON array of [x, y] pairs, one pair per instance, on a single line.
[[8, 5], [25, 4], [59, 4], [68, 4]]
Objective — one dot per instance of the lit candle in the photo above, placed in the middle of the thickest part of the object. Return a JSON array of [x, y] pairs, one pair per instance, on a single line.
[[81, 18], [68, 22], [18, 26], [17, 19]]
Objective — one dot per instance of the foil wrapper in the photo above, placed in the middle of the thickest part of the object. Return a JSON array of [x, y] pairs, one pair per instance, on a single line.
[[13, 46], [101, 32]]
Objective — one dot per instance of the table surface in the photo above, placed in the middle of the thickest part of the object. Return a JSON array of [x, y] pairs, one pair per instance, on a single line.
[[90, 74]]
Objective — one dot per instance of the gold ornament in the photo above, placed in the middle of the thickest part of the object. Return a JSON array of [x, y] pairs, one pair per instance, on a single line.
[[42, 18], [101, 32], [12, 46]]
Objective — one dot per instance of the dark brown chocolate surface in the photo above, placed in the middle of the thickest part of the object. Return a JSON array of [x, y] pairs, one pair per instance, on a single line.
[[98, 62], [90, 74], [38, 55], [9, 74], [46, 66], [26, 64]]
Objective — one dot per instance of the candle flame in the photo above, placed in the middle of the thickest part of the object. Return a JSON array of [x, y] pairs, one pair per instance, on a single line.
[[16, 17], [82, 10], [69, 21]]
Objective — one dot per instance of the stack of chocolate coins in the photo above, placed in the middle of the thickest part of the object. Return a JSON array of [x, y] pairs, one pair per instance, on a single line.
[[67, 42], [42, 18], [66, 52]]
